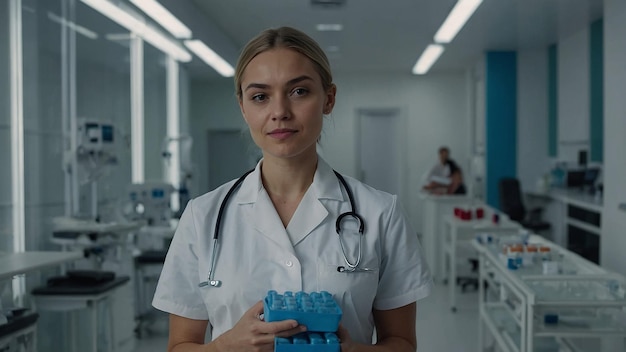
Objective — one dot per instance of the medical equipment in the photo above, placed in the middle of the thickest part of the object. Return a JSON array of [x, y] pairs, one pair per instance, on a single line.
[[150, 201], [176, 152], [350, 267]]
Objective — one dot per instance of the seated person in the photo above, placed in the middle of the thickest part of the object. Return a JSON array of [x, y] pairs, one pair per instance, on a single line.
[[446, 177]]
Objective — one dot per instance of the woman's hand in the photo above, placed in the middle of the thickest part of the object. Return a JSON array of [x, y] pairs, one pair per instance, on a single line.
[[347, 345], [251, 334]]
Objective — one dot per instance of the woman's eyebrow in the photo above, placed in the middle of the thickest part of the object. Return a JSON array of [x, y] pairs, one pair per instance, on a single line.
[[290, 82]]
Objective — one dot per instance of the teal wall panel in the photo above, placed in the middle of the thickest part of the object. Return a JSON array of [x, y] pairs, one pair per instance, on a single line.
[[501, 120], [596, 71], [552, 101]]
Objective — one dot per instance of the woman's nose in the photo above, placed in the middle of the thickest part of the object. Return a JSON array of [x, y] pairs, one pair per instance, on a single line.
[[281, 109]]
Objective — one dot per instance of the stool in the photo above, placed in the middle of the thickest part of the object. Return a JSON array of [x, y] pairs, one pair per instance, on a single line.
[[20, 328], [142, 262], [68, 294]]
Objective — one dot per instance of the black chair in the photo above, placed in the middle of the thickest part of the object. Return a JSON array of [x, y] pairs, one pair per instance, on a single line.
[[511, 204]]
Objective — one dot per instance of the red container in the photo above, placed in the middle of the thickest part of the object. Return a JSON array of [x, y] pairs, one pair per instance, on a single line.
[[467, 215], [496, 218], [457, 212], [480, 213]]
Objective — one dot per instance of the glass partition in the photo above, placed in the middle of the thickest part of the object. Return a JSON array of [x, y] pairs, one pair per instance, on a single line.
[[155, 111], [103, 96], [42, 28], [6, 239]]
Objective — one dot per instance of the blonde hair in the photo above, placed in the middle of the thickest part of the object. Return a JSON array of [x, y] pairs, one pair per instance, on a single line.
[[284, 37]]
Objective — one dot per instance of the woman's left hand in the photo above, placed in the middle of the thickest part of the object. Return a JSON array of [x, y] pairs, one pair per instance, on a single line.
[[347, 345]]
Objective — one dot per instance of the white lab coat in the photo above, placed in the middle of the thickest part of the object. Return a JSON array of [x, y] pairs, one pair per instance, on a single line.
[[258, 254]]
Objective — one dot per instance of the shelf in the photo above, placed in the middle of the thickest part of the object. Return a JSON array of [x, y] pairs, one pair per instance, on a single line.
[[508, 335], [580, 326], [496, 317], [572, 291]]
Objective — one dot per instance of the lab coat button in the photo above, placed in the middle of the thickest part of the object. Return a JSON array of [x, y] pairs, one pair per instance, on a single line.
[[289, 263]]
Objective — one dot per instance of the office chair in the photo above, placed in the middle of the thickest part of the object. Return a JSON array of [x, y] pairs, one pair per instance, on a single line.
[[511, 204]]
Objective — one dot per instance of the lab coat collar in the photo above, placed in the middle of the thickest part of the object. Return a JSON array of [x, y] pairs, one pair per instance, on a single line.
[[325, 184], [309, 215]]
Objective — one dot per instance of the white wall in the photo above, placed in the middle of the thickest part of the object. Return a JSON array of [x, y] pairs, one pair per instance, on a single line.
[[434, 106], [613, 241], [213, 106], [573, 94], [532, 117]]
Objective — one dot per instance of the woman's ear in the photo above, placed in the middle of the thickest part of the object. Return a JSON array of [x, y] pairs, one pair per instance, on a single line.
[[329, 103]]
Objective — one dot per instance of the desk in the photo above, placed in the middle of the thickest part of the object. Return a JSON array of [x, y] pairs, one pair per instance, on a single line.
[[457, 231], [435, 206]]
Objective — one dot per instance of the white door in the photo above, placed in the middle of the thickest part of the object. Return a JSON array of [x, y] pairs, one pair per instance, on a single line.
[[380, 141], [231, 153]]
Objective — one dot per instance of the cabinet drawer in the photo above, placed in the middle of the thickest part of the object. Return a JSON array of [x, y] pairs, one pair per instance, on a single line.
[[590, 217]]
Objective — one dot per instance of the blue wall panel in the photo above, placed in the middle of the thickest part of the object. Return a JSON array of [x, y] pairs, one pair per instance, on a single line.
[[552, 101], [501, 120], [596, 70]]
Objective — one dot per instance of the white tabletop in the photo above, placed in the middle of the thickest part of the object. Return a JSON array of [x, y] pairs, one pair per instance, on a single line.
[[572, 196], [88, 226], [444, 197], [485, 223], [12, 264]]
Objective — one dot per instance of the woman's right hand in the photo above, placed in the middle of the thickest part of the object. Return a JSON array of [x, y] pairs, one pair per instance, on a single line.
[[251, 334]]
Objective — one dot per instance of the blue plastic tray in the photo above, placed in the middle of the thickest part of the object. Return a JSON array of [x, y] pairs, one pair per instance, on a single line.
[[308, 342], [318, 311]]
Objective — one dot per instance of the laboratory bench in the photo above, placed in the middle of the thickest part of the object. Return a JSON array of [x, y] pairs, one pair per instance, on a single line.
[[543, 302]]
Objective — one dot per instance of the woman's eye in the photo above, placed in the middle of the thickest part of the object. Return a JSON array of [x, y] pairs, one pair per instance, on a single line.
[[300, 91], [259, 97]]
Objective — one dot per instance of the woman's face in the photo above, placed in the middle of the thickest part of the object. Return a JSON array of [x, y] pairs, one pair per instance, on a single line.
[[283, 101]]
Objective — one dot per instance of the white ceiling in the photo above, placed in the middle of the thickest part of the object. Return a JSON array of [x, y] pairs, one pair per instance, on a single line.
[[390, 35]]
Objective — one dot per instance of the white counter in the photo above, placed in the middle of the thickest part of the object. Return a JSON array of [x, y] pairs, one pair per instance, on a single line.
[[573, 197], [434, 208], [12, 264]]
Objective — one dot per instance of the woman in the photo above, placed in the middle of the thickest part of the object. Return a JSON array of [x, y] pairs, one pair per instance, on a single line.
[[278, 230]]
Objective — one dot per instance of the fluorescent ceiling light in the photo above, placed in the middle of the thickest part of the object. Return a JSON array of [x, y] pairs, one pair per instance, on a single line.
[[137, 26], [460, 14], [73, 26], [210, 57], [329, 27], [428, 58], [165, 18]]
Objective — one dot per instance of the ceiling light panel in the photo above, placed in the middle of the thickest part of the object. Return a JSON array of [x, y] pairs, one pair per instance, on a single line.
[[138, 27], [329, 27], [210, 57], [428, 58], [460, 14], [165, 18]]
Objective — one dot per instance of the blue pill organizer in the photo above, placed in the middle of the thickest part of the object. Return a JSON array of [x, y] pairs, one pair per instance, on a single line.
[[318, 311], [308, 342]]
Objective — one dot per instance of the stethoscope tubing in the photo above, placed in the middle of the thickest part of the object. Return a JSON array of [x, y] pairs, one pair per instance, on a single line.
[[352, 267]]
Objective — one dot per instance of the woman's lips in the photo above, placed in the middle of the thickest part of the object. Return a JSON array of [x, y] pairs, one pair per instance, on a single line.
[[282, 133]]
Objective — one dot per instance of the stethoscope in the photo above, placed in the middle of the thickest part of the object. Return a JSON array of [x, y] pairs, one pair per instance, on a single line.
[[350, 267]]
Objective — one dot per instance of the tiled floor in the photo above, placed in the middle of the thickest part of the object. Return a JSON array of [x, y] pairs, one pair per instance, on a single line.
[[438, 329]]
